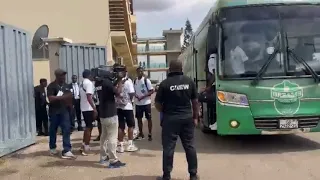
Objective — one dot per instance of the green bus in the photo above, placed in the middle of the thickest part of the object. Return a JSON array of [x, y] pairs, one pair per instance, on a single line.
[[267, 61]]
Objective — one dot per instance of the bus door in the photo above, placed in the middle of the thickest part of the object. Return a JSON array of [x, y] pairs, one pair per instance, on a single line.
[[209, 99]]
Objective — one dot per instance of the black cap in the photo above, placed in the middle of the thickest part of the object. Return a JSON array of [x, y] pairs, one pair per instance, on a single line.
[[59, 72], [86, 73]]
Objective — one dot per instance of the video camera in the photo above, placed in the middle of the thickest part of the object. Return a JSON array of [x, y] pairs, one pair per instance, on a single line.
[[108, 72]]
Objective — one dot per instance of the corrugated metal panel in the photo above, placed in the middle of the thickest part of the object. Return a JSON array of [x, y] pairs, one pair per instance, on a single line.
[[74, 58], [17, 112]]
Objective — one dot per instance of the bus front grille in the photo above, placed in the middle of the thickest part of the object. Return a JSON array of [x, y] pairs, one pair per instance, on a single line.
[[273, 123]]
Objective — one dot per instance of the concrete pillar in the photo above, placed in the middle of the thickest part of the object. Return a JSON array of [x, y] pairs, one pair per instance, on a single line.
[[148, 57], [54, 48], [54, 45]]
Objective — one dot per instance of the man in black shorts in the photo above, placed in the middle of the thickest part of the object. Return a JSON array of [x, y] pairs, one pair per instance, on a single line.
[[143, 91], [125, 115], [88, 108]]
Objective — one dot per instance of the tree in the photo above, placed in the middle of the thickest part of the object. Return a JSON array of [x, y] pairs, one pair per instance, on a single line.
[[187, 35]]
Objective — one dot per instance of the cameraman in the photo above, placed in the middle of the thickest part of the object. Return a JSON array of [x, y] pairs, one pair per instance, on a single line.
[[109, 119]]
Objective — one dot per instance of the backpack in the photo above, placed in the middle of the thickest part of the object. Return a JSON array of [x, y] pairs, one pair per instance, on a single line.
[[145, 82]]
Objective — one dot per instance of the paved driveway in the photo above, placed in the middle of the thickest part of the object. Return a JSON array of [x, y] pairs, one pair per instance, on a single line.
[[289, 157]]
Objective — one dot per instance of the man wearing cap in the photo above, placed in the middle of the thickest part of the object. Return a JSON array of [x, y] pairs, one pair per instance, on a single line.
[[88, 108], [60, 98]]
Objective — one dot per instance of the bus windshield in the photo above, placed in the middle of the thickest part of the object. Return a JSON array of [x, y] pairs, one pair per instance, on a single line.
[[252, 34]]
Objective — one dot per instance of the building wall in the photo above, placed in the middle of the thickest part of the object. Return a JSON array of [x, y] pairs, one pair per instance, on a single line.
[[82, 21], [41, 70], [172, 56], [17, 117], [173, 41]]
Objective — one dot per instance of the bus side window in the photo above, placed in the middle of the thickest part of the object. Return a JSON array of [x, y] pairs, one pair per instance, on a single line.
[[212, 51], [212, 40]]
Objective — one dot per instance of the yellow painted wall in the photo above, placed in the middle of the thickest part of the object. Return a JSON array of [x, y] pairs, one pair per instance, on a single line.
[[82, 21], [41, 70]]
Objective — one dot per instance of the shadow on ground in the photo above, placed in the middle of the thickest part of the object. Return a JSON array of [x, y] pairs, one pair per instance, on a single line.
[[7, 172], [136, 177], [213, 144], [72, 163]]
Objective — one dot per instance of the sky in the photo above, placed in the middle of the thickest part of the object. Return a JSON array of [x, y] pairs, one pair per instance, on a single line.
[[154, 16]]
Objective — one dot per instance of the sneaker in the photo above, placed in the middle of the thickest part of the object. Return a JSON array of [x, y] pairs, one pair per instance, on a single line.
[[53, 152], [68, 155], [120, 148], [149, 137], [84, 151], [116, 164], [104, 160], [131, 148], [139, 137]]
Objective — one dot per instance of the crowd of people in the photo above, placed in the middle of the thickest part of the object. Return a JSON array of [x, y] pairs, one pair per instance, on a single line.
[[112, 103]]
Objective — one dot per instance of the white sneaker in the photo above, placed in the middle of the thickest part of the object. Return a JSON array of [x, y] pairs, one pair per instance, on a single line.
[[68, 155], [120, 148], [131, 148], [213, 126], [85, 150], [53, 152]]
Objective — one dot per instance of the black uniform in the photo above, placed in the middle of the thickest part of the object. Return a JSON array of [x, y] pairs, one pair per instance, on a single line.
[[41, 110], [75, 111], [98, 87], [175, 94]]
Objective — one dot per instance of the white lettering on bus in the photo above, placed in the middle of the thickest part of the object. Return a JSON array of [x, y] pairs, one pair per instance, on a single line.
[[179, 87]]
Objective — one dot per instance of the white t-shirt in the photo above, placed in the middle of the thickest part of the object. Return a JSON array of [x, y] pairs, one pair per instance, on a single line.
[[238, 57], [126, 90], [212, 63], [141, 89], [86, 87]]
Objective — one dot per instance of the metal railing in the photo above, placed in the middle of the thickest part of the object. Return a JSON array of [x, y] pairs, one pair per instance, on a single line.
[[153, 65], [151, 49]]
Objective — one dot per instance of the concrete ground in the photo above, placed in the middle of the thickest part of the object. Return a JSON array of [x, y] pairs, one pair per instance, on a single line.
[[287, 157]]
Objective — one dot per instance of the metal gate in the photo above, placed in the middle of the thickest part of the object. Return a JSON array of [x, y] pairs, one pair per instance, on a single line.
[[74, 58], [17, 110]]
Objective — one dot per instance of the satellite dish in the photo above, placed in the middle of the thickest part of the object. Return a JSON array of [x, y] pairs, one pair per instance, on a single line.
[[42, 32]]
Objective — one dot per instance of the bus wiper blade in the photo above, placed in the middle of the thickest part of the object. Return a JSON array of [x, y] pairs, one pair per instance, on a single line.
[[305, 64], [300, 60], [264, 68], [256, 80]]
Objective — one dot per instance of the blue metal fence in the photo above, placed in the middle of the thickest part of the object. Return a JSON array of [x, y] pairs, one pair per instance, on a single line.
[[17, 112], [74, 58]]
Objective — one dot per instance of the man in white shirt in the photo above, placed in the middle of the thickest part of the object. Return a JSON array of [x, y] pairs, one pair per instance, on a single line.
[[76, 111], [88, 108], [125, 114], [143, 91]]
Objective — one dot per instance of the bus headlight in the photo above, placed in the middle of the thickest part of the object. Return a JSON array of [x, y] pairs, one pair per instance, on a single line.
[[232, 98]]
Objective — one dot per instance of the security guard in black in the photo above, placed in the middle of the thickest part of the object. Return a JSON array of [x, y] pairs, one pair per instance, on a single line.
[[177, 100]]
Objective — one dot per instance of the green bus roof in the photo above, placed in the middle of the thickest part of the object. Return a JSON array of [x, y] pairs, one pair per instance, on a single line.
[[232, 3]]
